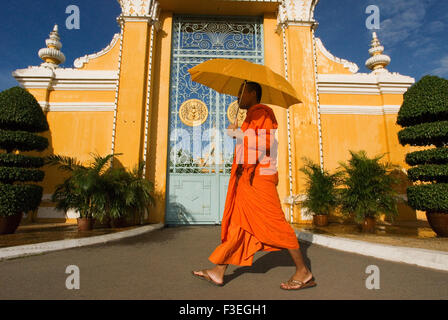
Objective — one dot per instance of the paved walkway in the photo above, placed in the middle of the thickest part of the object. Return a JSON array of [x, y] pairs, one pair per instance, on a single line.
[[157, 265]]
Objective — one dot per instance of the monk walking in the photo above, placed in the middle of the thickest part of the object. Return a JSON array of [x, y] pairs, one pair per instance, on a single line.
[[253, 219]]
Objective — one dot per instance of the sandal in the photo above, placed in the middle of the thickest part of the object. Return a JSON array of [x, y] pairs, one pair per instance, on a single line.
[[206, 276], [297, 284]]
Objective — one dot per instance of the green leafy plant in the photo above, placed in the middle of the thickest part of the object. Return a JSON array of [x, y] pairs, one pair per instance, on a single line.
[[321, 192], [424, 118], [21, 118], [368, 190], [85, 190], [129, 193], [99, 191]]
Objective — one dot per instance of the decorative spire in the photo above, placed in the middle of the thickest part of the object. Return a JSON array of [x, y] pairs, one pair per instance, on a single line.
[[52, 55], [378, 61]]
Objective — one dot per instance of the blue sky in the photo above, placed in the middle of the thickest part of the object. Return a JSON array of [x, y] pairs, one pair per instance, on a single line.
[[413, 32]]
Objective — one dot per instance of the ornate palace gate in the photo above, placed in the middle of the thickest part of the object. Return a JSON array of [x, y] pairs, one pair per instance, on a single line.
[[200, 153]]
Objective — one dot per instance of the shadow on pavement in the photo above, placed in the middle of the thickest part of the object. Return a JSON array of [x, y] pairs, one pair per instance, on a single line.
[[271, 260]]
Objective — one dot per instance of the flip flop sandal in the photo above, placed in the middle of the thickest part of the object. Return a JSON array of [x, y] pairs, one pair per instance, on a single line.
[[205, 276], [302, 285]]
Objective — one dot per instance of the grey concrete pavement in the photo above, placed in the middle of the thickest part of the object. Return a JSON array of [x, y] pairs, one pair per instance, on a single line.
[[158, 265]]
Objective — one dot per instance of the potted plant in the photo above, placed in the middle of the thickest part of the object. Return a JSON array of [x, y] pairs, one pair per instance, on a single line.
[[368, 189], [321, 193], [85, 190], [21, 117], [129, 194], [140, 190], [424, 118]]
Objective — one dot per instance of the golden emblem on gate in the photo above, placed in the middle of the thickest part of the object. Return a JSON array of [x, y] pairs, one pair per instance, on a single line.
[[231, 111], [193, 112]]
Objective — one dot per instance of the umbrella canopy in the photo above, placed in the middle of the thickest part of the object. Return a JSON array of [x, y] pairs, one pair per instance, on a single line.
[[227, 75]]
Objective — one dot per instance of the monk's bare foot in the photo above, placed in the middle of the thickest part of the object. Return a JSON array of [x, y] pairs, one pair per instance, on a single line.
[[303, 276], [215, 276]]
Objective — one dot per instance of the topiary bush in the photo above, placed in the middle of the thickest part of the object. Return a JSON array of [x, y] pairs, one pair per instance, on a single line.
[[424, 118], [21, 117]]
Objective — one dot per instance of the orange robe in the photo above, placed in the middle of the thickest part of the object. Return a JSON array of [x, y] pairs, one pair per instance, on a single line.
[[253, 218]]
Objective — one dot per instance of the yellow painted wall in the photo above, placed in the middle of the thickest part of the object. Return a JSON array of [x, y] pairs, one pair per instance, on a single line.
[[158, 136], [108, 61], [274, 59], [341, 133], [303, 117], [327, 66], [76, 134], [82, 96], [132, 93], [40, 94], [350, 99]]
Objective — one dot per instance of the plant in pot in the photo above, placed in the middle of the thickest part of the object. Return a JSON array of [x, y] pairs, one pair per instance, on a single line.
[[129, 194], [321, 193], [368, 189], [424, 118], [85, 190], [21, 117]]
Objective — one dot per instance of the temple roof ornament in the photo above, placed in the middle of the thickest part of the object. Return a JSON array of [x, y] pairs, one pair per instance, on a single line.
[[52, 54], [297, 12], [378, 61]]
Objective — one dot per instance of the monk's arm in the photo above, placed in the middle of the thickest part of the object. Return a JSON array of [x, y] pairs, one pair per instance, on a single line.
[[261, 134], [236, 133]]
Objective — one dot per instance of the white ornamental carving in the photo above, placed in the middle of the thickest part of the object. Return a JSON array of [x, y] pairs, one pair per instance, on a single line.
[[79, 62], [140, 8], [353, 67], [296, 11]]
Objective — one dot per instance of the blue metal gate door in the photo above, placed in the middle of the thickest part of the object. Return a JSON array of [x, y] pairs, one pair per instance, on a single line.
[[200, 153]]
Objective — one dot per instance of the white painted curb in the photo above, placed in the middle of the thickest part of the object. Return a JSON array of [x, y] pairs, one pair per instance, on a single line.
[[38, 248], [421, 257]]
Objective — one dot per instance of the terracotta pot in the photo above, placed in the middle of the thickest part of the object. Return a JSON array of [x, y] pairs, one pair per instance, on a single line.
[[320, 220], [85, 224], [438, 223], [9, 225], [368, 225]]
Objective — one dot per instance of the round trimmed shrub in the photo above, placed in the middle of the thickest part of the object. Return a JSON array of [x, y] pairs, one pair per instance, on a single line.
[[21, 118], [424, 118]]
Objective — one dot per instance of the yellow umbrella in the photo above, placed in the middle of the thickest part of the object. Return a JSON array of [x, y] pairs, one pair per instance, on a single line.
[[227, 75]]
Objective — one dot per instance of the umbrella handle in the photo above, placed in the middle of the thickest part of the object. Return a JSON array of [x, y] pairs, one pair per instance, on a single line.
[[239, 99]]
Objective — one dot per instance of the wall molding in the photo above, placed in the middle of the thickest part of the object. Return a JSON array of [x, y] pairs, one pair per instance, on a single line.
[[359, 110], [364, 83], [77, 106]]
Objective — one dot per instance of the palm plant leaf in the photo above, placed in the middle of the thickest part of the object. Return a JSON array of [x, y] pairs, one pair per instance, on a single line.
[[64, 162]]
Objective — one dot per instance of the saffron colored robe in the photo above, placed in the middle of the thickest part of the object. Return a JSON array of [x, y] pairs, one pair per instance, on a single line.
[[253, 218]]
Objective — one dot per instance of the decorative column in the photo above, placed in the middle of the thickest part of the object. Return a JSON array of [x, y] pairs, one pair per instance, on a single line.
[[296, 22], [137, 21]]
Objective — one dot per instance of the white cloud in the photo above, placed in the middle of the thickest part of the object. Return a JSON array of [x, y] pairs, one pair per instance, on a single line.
[[401, 20], [442, 69]]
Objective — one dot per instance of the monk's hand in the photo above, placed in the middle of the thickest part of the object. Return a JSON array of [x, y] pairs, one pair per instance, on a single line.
[[234, 132]]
